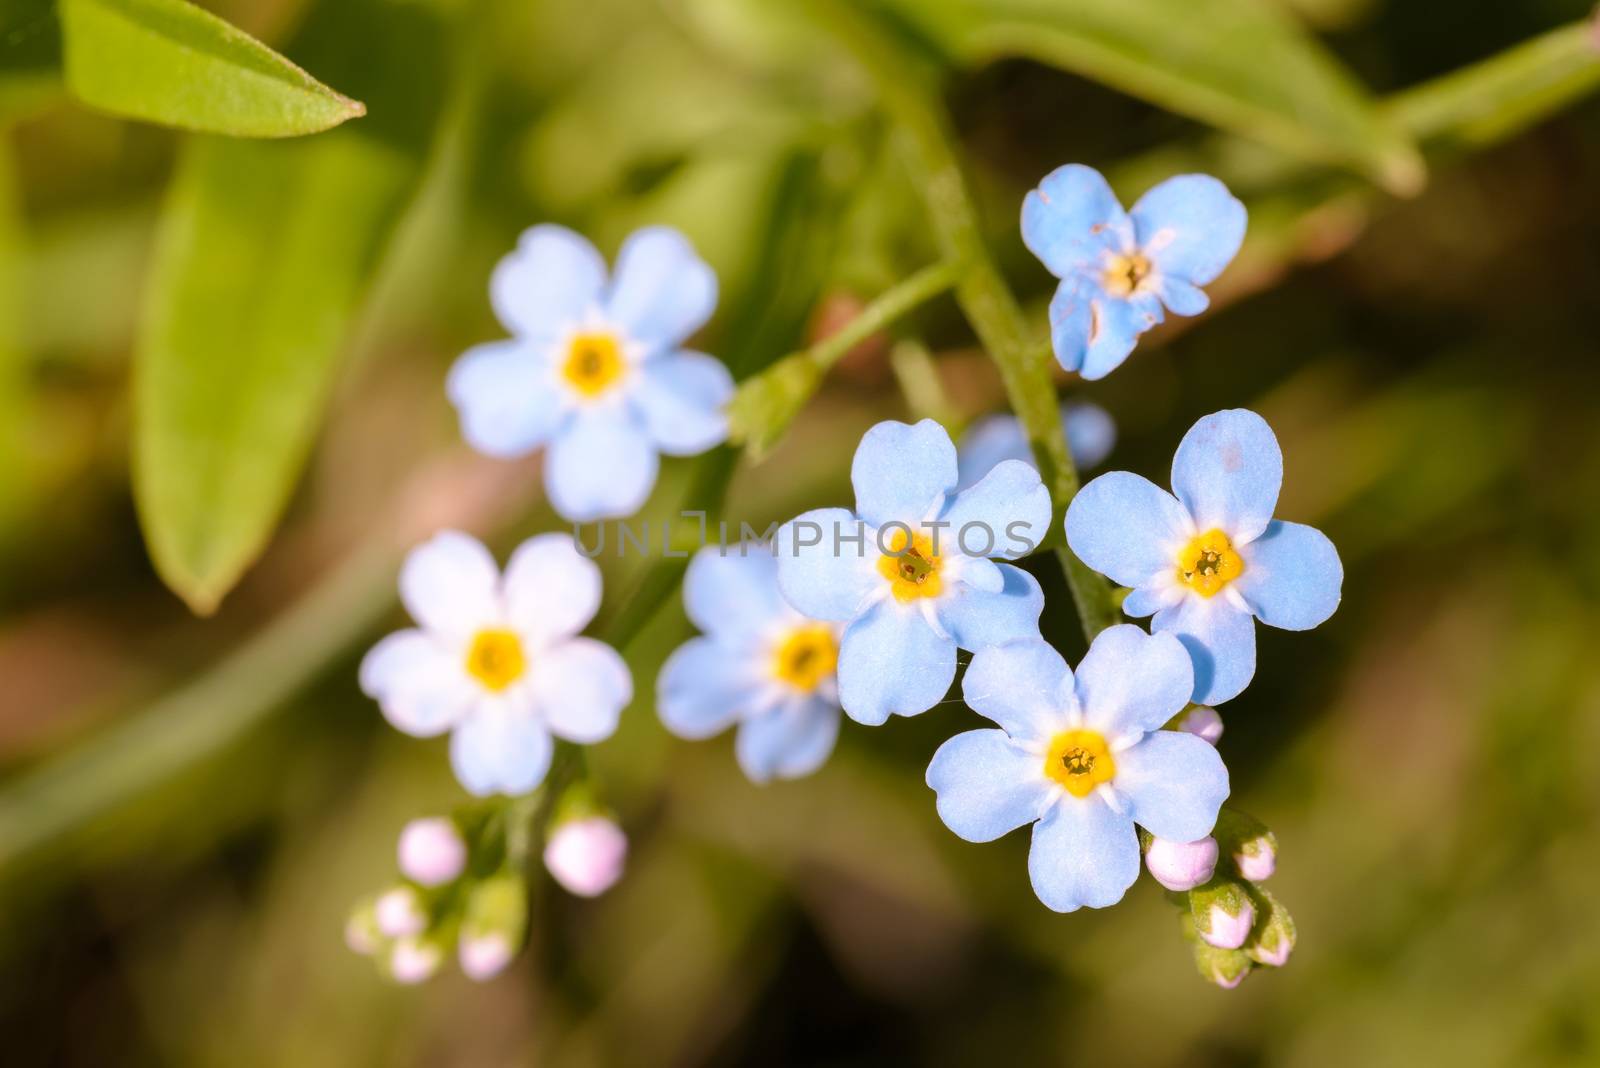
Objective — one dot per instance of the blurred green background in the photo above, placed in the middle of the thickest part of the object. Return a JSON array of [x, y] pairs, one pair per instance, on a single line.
[[188, 806]]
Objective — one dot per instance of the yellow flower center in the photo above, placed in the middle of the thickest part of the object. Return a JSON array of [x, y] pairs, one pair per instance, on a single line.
[[496, 658], [806, 657], [1080, 761], [1209, 563], [594, 363], [911, 566], [1124, 273]]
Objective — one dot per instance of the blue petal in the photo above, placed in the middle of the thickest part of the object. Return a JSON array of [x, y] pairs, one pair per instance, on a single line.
[[1131, 682], [1115, 326], [789, 741], [1127, 527], [901, 472], [977, 619], [822, 571], [553, 278], [581, 686], [1292, 576], [892, 663], [663, 291], [1008, 511], [1190, 227], [1146, 601], [1181, 298], [1072, 321], [733, 589], [1072, 218], [508, 404], [1089, 428], [704, 687], [603, 466], [987, 786], [1091, 433], [1221, 641], [681, 398], [500, 750], [1227, 472], [1083, 853], [1176, 782], [1025, 686], [986, 443]]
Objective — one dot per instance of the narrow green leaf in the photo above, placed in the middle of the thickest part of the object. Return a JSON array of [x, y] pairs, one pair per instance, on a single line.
[[1488, 101], [170, 62], [263, 254], [1237, 64]]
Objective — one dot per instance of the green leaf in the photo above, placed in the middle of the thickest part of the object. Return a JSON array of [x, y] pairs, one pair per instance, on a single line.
[[1488, 101], [170, 62], [263, 255], [1241, 65]]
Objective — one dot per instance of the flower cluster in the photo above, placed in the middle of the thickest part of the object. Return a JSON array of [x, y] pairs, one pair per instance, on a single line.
[[860, 612], [453, 895]]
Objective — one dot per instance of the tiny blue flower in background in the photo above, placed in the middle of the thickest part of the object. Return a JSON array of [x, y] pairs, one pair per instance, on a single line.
[[496, 661], [910, 572], [1117, 268], [760, 664], [1206, 561], [594, 370], [1081, 757], [1089, 430]]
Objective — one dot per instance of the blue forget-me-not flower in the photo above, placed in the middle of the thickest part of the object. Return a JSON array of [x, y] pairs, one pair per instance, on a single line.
[[759, 664], [1089, 430], [909, 571], [497, 660], [1082, 758], [595, 371], [1212, 557], [1118, 269]]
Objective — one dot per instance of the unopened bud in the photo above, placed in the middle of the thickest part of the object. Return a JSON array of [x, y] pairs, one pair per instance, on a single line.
[[361, 931], [1181, 865], [431, 851], [399, 913], [1202, 721], [1223, 913], [1224, 967], [493, 924], [586, 855], [1252, 848], [413, 960], [1275, 934], [485, 956]]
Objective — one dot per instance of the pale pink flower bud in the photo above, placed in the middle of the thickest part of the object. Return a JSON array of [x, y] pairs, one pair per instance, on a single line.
[[1181, 865], [431, 851], [399, 913], [1203, 721], [485, 956], [1228, 930], [586, 855], [1256, 859], [413, 961]]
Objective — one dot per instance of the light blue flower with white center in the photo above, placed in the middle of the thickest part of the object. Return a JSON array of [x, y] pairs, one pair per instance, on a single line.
[[1082, 758], [760, 664], [1089, 430], [595, 371], [1117, 268], [496, 660], [910, 573], [1208, 560]]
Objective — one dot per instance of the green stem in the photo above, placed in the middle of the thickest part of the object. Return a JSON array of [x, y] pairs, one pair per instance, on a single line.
[[889, 306], [919, 381], [908, 94]]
